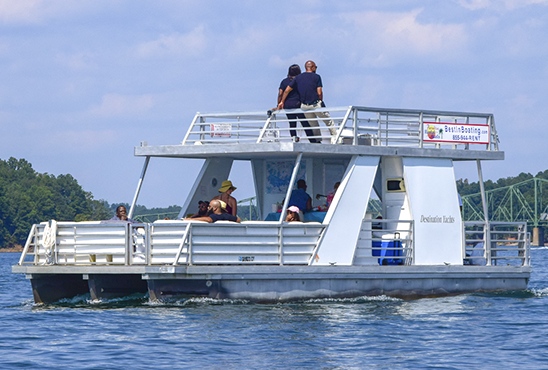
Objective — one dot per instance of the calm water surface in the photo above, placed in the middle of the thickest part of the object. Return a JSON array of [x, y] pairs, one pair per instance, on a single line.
[[475, 331]]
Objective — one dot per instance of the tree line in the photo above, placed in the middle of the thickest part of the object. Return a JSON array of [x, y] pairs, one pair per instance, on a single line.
[[28, 197]]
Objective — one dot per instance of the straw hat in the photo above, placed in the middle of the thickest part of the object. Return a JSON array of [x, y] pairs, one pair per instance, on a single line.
[[223, 205], [226, 185]]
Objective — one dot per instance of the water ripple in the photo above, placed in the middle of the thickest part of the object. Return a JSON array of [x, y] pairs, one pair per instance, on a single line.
[[477, 331]]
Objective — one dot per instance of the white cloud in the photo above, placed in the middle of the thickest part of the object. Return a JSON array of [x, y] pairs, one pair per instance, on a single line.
[[36, 11], [385, 38], [277, 61], [475, 4], [26, 11], [192, 43], [117, 105], [499, 4]]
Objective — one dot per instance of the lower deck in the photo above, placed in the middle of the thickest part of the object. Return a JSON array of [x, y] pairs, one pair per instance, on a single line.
[[262, 261], [270, 283]]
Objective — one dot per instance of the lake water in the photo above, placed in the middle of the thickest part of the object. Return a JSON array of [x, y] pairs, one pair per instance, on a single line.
[[474, 331]]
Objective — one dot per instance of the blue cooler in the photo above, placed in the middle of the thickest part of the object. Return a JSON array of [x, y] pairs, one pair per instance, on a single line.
[[386, 250]]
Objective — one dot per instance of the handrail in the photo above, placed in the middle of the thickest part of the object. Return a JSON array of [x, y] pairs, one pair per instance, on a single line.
[[403, 233], [488, 243], [32, 235], [80, 241], [355, 125], [84, 243], [181, 246]]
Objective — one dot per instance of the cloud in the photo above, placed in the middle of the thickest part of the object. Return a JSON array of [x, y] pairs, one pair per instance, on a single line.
[[277, 61], [499, 4], [117, 105], [26, 11], [36, 11], [386, 38], [192, 43]]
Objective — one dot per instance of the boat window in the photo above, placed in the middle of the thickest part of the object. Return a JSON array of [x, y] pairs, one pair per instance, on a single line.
[[395, 185]]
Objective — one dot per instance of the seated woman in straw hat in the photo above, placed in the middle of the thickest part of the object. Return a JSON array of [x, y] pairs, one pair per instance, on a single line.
[[226, 189]]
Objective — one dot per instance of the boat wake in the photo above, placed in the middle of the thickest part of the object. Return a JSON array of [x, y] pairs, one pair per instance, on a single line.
[[362, 299], [539, 292], [195, 301]]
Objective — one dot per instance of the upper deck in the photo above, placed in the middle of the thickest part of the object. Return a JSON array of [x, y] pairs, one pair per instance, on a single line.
[[360, 131]]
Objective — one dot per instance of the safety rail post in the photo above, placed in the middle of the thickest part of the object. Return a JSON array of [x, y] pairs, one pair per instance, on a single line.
[[129, 243], [343, 123], [181, 246], [189, 261], [238, 129], [527, 241], [148, 244], [265, 127], [412, 242], [280, 243], [355, 125], [191, 128], [421, 129]]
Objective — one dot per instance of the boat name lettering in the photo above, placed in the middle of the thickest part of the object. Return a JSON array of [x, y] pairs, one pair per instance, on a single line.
[[438, 219], [246, 258]]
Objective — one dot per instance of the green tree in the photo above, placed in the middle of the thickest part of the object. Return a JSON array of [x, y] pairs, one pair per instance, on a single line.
[[28, 197]]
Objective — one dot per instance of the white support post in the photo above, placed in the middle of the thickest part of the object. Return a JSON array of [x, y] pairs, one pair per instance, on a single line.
[[139, 184], [290, 186], [487, 233]]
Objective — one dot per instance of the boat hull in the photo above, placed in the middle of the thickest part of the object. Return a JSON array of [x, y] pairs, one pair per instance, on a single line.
[[290, 284], [267, 284]]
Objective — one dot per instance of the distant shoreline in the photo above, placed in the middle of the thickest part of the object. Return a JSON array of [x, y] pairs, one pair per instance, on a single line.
[[16, 249]]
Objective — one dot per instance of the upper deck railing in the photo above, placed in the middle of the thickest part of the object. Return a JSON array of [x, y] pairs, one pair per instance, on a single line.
[[354, 126]]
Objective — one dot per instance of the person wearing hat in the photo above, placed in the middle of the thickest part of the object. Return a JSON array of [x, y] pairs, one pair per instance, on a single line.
[[216, 207], [202, 209], [226, 190], [293, 214]]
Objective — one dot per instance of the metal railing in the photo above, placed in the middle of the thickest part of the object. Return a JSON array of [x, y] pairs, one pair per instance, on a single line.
[[88, 243], [496, 243], [256, 242], [175, 242], [355, 126], [385, 242]]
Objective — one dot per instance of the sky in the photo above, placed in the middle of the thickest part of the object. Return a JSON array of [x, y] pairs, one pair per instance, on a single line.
[[84, 82]]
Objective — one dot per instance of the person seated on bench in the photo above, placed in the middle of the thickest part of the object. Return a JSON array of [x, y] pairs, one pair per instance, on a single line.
[[121, 215], [292, 214], [216, 207], [202, 209], [300, 198]]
